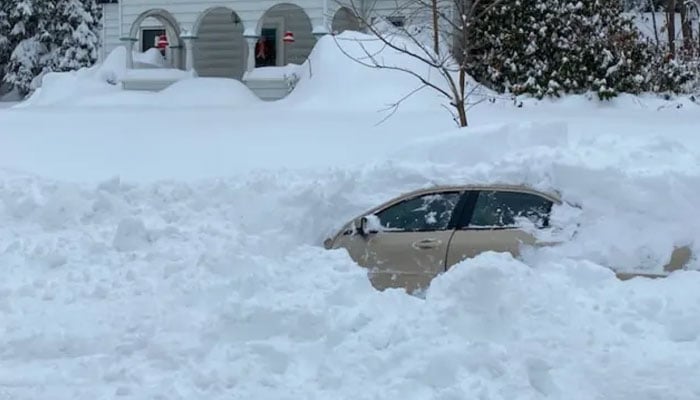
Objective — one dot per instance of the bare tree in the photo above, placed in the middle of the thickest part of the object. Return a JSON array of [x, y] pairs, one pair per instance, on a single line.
[[671, 26], [436, 27], [447, 56]]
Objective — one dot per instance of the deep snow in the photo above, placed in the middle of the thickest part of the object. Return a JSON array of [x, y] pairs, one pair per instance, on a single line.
[[159, 250]]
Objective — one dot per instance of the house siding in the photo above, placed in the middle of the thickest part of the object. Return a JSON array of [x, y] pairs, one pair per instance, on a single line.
[[188, 12], [220, 49], [110, 29]]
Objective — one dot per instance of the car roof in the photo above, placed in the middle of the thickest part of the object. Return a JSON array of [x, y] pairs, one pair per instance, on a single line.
[[553, 196]]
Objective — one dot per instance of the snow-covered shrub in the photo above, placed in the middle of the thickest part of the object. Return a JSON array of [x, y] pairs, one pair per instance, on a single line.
[[552, 47], [675, 75]]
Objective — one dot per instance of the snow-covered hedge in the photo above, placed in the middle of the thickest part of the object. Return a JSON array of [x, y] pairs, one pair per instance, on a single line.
[[553, 47]]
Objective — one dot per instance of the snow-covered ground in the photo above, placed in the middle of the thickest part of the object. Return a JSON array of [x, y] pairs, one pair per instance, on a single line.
[[168, 245]]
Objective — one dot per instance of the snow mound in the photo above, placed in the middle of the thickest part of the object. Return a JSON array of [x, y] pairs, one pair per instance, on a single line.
[[330, 78], [151, 58], [190, 92], [166, 74], [617, 181], [220, 297], [61, 88], [205, 92], [263, 73], [99, 87]]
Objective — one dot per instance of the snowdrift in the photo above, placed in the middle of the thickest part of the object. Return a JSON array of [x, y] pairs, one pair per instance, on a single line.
[[201, 276], [332, 77], [190, 92], [99, 86], [617, 182], [195, 291], [63, 87]]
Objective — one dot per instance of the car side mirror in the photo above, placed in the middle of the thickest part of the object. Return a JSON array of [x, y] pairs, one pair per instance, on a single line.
[[368, 225], [328, 243]]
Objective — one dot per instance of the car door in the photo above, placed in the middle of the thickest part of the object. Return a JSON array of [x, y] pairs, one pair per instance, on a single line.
[[409, 247], [493, 221]]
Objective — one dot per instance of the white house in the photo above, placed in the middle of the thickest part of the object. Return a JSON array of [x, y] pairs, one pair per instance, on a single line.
[[219, 38]]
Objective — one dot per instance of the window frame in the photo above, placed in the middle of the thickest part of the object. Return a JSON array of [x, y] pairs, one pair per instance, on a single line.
[[471, 198], [142, 39], [454, 218]]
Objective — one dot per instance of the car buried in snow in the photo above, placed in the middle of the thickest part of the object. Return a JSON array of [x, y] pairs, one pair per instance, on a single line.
[[411, 239]]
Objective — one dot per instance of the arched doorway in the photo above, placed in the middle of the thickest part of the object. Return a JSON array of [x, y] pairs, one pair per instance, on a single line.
[[277, 20], [220, 49], [344, 20], [149, 25]]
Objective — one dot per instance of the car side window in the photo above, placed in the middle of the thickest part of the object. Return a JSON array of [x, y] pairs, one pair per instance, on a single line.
[[502, 209], [430, 212]]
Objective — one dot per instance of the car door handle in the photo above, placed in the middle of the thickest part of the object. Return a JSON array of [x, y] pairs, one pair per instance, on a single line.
[[426, 244]]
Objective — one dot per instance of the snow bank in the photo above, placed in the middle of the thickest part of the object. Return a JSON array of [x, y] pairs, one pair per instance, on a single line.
[[195, 291], [205, 92], [331, 79], [190, 92], [151, 58], [166, 74], [218, 288], [288, 70], [99, 87], [60, 88], [620, 183]]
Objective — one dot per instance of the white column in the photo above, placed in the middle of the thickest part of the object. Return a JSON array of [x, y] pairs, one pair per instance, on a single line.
[[252, 40], [129, 44], [189, 51]]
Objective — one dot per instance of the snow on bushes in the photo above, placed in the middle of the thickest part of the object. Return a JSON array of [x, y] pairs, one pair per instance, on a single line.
[[552, 47]]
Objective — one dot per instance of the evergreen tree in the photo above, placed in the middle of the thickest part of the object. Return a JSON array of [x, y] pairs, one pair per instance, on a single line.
[[49, 35], [76, 39], [28, 37], [5, 44], [26, 62]]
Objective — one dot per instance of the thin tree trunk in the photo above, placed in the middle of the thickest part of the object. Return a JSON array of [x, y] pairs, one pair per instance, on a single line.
[[671, 26], [461, 103], [436, 30], [686, 29], [653, 21]]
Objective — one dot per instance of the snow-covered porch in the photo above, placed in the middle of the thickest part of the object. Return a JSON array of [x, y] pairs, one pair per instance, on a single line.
[[268, 83], [262, 46]]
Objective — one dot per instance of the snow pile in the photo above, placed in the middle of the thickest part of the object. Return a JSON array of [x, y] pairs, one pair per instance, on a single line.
[[333, 78], [59, 88], [195, 291], [209, 92], [151, 58], [100, 86], [190, 92], [286, 71], [205, 279], [160, 74], [618, 183]]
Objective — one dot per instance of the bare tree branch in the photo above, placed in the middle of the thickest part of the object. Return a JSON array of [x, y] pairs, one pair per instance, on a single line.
[[450, 20], [376, 64], [395, 106]]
